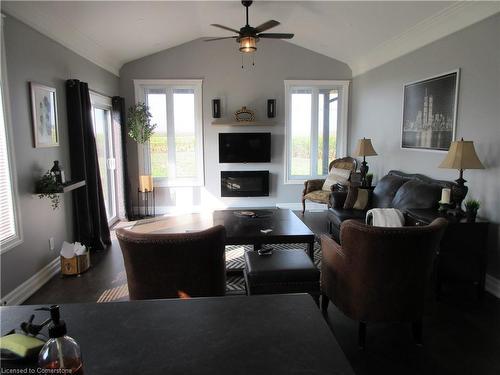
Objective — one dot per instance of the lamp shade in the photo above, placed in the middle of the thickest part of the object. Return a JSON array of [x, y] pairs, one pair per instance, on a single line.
[[364, 148], [146, 183], [248, 44], [461, 155]]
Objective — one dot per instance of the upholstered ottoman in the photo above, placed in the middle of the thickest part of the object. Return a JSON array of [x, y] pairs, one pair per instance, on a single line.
[[284, 271]]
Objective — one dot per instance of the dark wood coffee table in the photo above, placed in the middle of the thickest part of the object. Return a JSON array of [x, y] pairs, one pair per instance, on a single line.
[[285, 227], [240, 229]]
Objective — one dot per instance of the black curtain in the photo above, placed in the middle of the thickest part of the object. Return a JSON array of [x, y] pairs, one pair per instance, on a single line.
[[91, 223], [119, 117]]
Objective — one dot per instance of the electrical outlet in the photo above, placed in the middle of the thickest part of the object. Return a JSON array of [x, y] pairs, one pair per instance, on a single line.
[[51, 244]]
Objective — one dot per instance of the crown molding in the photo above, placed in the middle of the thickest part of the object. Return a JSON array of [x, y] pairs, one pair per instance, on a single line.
[[80, 44], [448, 21]]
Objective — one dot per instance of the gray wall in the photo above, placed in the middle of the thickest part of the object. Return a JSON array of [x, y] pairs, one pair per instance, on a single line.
[[219, 65], [376, 112], [32, 56]]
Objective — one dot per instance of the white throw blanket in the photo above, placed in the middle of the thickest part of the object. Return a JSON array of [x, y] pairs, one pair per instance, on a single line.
[[385, 217]]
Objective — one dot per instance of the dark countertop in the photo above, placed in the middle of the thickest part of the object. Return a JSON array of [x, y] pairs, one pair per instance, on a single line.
[[271, 334]]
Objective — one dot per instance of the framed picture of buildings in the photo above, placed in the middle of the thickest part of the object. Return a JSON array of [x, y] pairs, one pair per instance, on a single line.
[[44, 113], [430, 112]]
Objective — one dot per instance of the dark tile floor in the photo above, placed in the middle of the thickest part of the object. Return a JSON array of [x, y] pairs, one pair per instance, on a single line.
[[461, 334]]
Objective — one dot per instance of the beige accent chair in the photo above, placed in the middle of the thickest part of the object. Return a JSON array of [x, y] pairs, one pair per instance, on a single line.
[[313, 189]]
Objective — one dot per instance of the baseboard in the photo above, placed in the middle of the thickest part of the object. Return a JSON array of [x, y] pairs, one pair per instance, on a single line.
[[492, 285], [30, 286]]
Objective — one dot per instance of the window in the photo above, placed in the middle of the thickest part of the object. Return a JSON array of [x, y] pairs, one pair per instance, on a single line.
[[9, 227], [174, 154], [316, 127], [104, 139]]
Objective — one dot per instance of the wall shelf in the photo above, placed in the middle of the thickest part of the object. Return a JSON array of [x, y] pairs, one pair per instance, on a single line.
[[232, 122], [68, 186], [72, 185]]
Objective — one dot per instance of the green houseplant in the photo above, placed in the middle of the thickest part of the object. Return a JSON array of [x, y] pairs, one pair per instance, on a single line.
[[471, 208], [47, 187], [139, 124]]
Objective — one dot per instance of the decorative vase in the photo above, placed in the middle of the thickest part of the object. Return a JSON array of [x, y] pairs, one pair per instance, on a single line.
[[369, 180], [471, 215]]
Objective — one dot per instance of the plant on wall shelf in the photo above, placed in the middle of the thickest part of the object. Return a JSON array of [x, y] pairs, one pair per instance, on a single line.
[[139, 124], [47, 187]]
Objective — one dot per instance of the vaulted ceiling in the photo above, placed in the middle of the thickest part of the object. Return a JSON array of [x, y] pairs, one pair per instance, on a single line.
[[361, 34]]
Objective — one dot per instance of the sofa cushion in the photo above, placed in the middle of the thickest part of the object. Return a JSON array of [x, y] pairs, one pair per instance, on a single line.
[[337, 216], [357, 198], [417, 194], [336, 176], [386, 189]]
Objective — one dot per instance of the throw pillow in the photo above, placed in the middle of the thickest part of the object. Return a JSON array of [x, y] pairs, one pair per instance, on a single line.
[[336, 176], [357, 198]]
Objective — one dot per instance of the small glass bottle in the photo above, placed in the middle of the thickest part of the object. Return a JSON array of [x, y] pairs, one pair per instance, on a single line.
[[60, 351], [57, 172]]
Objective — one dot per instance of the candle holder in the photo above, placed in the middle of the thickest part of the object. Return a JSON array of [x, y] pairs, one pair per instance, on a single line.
[[148, 200], [444, 207]]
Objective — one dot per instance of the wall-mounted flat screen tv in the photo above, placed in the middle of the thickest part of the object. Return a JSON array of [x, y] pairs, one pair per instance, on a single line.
[[244, 147]]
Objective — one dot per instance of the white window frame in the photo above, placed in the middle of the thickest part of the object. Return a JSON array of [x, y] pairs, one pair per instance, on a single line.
[[104, 102], [343, 105], [143, 151], [17, 238]]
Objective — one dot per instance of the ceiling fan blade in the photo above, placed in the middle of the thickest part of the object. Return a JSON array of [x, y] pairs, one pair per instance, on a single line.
[[225, 28], [275, 36], [267, 25], [225, 37]]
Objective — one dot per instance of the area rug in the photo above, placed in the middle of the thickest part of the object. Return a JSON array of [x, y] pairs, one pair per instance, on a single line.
[[235, 262]]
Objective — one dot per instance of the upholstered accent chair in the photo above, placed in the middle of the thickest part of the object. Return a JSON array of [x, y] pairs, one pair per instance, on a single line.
[[174, 264], [313, 189], [380, 274]]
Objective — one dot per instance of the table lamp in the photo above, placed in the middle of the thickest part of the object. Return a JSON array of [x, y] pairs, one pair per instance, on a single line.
[[461, 155], [364, 148]]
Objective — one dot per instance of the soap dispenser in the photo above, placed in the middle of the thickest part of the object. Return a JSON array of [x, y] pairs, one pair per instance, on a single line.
[[60, 351]]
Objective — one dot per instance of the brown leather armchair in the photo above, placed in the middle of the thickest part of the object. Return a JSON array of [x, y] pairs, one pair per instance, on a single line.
[[171, 265], [313, 189], [380, 274]]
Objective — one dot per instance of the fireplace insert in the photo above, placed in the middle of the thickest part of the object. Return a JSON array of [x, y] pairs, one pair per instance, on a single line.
[[244, 183]]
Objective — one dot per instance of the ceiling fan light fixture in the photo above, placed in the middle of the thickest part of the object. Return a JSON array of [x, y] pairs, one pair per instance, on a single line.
[[248, 44]]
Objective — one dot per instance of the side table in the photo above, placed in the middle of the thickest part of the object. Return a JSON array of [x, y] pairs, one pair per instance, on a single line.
[[463, 252]]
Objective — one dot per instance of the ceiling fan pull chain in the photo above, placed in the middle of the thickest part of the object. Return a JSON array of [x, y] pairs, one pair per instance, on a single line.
[[241, 61], [253, 59]]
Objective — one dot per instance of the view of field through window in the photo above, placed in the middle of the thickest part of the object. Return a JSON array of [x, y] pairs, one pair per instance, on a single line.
[[173, 155], [302, 130]]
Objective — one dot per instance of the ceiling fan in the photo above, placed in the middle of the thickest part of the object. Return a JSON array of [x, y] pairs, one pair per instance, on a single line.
[[248, 36]]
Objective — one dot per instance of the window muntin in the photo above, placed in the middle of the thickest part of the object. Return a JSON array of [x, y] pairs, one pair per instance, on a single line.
[[315, 127], [174, 154]]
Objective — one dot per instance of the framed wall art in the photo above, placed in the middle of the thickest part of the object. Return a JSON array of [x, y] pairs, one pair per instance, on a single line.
[[44, 113], [430, 112]]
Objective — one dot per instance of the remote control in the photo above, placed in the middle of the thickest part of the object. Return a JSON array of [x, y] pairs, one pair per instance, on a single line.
[[265, 251]]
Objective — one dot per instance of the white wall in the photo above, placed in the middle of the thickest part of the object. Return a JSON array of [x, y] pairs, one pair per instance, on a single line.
[[219, 65], [32, 56], [376, 110]]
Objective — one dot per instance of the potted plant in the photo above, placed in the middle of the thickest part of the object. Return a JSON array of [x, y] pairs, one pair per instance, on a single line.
[[471, 207], [139, 124], [47, 187]]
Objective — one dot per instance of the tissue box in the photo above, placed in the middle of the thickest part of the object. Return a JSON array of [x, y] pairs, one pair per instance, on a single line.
[[76, 265]]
